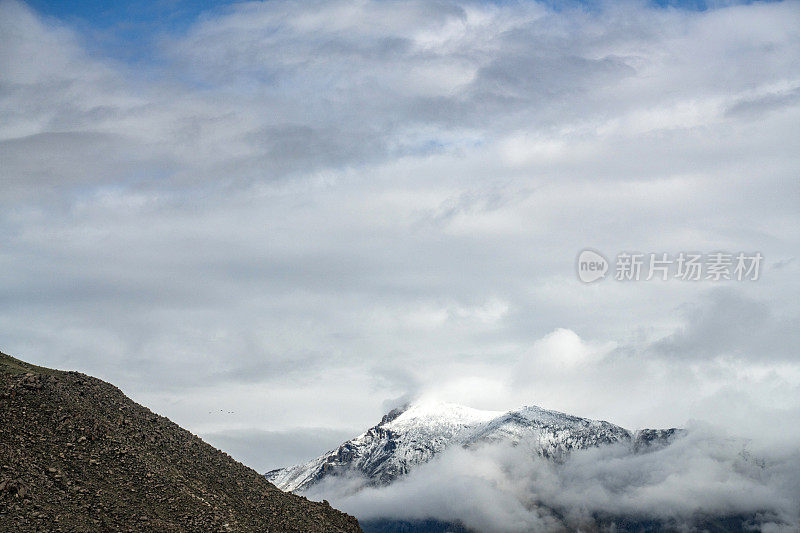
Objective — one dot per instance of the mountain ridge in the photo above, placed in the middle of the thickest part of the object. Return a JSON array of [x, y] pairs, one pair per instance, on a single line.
[[414, 433]]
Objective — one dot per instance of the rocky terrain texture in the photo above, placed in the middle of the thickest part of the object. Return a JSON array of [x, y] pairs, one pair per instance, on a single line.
[[415, 433], [77, 455]]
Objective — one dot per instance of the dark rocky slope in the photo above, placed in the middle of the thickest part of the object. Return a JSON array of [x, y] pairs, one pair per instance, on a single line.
[[77, 455]]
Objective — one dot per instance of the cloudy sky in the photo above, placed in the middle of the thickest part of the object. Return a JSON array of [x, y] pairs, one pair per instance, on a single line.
[[272, 221]]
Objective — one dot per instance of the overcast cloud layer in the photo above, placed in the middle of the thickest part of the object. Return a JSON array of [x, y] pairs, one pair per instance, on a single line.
[[297, 214]]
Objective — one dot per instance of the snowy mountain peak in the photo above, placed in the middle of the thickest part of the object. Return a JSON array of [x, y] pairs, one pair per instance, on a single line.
[[415, 433], [432, 413]]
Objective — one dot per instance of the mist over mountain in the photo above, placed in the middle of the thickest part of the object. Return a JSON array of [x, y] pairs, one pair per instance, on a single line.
[[430, 467], [414, 434]]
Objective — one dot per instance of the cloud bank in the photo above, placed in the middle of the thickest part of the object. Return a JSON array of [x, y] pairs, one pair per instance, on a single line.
[[702, 476]]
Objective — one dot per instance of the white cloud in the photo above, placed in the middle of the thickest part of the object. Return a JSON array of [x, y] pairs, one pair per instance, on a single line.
[[504, 489], [564, 349], [704, 475]]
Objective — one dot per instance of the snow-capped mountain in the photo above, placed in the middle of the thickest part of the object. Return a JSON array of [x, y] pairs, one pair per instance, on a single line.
[[415, 433]]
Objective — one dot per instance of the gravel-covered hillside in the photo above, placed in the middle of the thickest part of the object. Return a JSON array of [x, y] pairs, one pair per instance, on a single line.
[[77, 455]]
